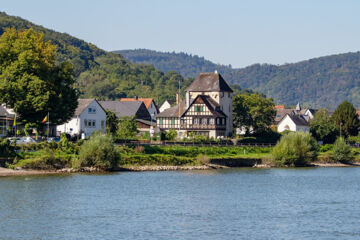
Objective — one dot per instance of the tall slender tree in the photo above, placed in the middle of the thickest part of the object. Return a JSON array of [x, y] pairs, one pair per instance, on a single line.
[[346, 119]]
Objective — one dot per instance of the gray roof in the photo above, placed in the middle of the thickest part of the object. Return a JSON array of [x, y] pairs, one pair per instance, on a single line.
[[3, 111], [173, 111], [82, 105], [208, 82], [299, 120], [122, 109]]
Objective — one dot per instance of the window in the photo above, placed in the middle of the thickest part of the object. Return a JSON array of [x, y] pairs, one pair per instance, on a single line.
[[172, 121], [223, 121], [196, 121], [218, 121], [201, 108], [204, 121], [161, 121], [102, 124], [91, 110], [211, 121], [195, 108], [89, 123]]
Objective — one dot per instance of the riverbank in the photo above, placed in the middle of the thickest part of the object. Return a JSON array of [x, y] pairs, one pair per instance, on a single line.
[[6, 172]]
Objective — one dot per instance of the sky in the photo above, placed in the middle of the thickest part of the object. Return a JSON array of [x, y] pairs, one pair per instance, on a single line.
[[236, 32]]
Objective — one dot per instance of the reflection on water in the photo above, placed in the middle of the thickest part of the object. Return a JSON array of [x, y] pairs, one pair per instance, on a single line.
[[243, 203]]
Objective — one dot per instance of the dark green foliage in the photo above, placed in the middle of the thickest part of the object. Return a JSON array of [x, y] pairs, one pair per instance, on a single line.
[[318, 82], [6, 149], [342, 151], [325, 148], [30, 81], [253, 111], [346, 119], [295, 149], [171, 134], [127, 128], [112, 122], [99, 151], [323, 127]]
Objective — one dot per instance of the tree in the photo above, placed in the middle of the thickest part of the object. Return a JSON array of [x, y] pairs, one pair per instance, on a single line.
[[127, 128], [295, 149], [342, 151], [346, 119], [253, 110], [112, 122], [323, 127], [30, 81]]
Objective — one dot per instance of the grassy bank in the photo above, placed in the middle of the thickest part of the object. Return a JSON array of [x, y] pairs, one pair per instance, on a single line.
[[100, 153]]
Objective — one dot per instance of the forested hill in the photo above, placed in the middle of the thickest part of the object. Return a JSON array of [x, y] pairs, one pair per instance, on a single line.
[[102, 74], [318, 82]]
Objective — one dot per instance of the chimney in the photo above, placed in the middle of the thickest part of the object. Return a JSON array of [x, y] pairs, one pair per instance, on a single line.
[[177, 98]]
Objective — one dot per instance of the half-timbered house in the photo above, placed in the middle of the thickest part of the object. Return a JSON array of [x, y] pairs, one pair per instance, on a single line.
[[206, 110]]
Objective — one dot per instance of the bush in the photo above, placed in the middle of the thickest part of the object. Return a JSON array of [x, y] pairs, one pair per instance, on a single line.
[[99, 151], [295, 149], [171, 134], [203, 159], [342, 151], [6, 149], [325, 148]]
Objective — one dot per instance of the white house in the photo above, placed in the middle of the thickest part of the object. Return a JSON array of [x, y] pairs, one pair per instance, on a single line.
[[166, 105], [89, 117], [293, 123]]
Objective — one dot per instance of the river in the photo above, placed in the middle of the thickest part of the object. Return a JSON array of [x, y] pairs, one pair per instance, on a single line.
[[304, 203]]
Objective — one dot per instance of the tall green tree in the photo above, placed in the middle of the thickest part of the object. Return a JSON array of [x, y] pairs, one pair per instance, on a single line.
[[30, 81], [253, 111], [112, 122], [323, 127], [346, 119]]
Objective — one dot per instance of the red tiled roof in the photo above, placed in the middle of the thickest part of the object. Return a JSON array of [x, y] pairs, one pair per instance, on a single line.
[[279, 106], [146, 101]]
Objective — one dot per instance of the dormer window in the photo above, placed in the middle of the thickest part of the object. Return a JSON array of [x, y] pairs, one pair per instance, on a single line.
[[92, 110]]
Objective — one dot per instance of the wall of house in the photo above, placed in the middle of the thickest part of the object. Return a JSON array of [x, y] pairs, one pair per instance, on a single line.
[[303, 128], [164, 106], [286, 124], [88, 122], [225, 101], [87, 117], [152, 110]]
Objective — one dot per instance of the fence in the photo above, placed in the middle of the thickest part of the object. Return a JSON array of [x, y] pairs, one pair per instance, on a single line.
[[193, 143]]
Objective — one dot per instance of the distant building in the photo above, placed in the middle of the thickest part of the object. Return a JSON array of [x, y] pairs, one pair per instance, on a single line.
[[206, 110], [135, 109], [6, 121], [89, 117], [149, 104], [296, 119], [166, 104]]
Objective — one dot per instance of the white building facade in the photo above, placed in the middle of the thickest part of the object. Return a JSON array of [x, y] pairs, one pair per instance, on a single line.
[[88, 118]]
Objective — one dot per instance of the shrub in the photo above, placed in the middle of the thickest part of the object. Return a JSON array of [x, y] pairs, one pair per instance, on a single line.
[[203, 159], [6, 149], [342, 151], [139, 149], [171, 134], [295, 149], [99, 151], [325, 148]]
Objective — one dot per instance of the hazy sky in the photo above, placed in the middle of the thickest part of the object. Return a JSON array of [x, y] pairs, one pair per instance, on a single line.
[[236, 32]]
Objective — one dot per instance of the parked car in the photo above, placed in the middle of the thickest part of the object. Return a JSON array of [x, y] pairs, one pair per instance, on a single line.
[[53, 139], [22, 140]]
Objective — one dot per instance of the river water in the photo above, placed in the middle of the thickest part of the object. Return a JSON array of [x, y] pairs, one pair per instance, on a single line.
[[311, 203]]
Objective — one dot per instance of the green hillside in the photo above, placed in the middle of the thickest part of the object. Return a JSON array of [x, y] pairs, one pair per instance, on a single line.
[[318, 82], [102, 74]]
